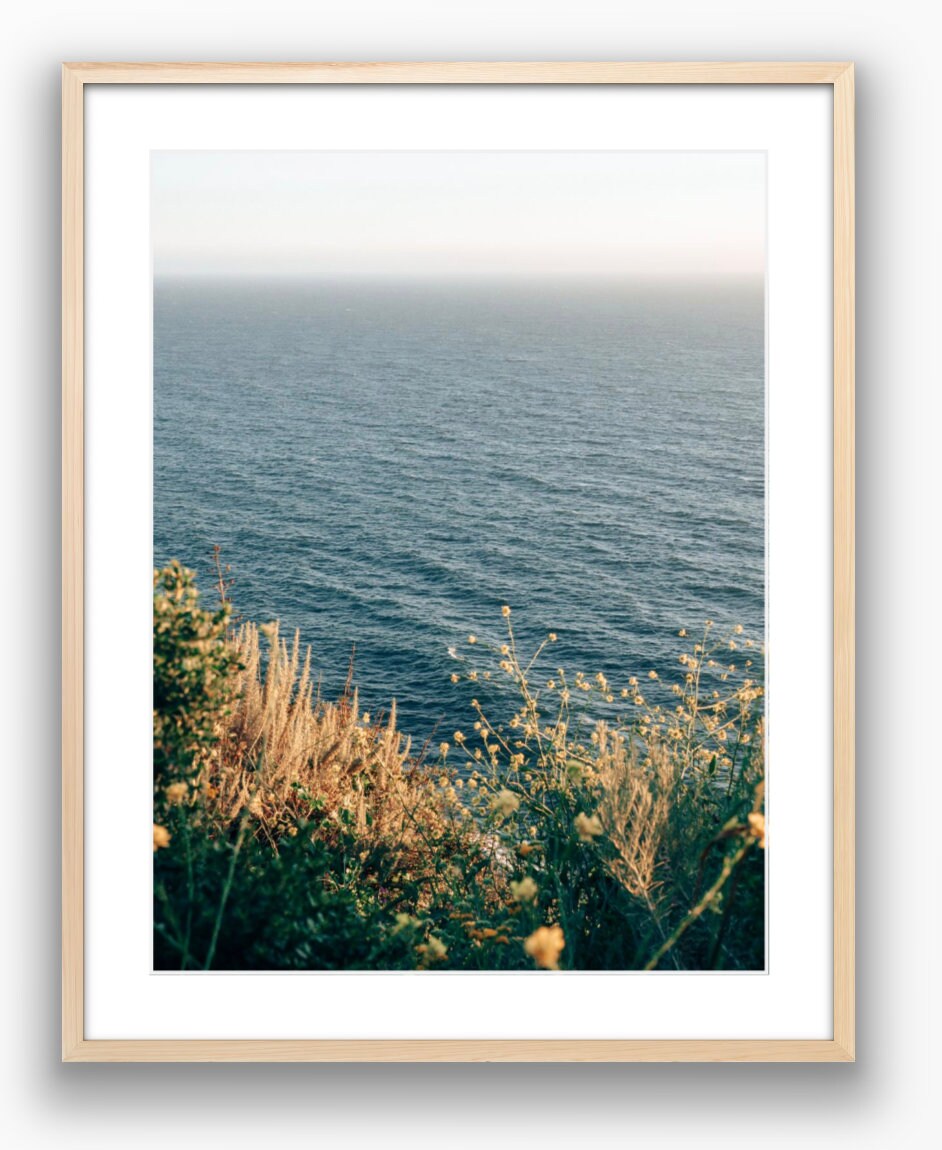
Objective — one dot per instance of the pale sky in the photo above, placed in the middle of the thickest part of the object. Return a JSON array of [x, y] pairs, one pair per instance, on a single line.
[[458, 213]]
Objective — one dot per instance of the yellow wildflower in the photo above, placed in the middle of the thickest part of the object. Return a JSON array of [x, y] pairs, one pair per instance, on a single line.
[[505, 611], [545, 946], [552, 636], [436, 949], [525, 890], [176, 793], [472, 638], [505, 803], [587, 826], [757, 827], [161, 837]]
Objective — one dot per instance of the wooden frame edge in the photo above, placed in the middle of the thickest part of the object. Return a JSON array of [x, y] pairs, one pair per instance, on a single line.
[[461, 72], [844, 592], [460, 1050], [73, 561], [75, 1047]]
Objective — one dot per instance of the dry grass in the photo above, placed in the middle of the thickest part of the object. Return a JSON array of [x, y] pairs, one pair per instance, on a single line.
[[637, 798], [286, 755]]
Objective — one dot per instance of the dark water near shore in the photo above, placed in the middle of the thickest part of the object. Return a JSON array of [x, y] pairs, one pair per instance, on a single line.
[[385, 465]]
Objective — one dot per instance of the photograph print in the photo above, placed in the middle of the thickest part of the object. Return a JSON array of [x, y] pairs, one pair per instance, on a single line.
[[459, 478]]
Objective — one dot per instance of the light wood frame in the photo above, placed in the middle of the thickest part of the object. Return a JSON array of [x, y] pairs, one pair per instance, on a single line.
[[75, 1047]]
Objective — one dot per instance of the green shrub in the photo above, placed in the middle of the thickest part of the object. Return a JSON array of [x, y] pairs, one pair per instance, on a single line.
[[193, 669]]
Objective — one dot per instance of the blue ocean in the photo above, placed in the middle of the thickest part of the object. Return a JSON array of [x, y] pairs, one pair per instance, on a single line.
[[385, 464]]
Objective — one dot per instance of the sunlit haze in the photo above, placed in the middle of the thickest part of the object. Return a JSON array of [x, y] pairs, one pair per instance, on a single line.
[[444, 214]]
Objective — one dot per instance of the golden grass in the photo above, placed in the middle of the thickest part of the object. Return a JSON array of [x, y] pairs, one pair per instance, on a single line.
[[284, 754], [635, 804]]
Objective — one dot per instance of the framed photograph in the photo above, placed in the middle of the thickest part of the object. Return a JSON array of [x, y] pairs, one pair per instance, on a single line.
[[458, 535]]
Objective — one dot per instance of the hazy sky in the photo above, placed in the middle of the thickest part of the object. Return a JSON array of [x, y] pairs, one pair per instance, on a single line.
[[459, 213]]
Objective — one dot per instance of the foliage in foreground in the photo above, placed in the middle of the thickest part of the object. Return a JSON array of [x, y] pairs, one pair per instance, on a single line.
[[292, 832]]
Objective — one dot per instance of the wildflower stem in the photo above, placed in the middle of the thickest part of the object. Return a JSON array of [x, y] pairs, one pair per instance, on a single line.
[[729, 865], [224, 897]]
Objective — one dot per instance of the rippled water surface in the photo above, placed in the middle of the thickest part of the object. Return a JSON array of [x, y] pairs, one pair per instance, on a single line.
[[385, 464]]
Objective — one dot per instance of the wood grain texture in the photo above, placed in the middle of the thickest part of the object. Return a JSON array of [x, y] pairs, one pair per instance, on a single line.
[[75, 1048], [457, 72], [73, 512], [844, 606], [460, 1050]]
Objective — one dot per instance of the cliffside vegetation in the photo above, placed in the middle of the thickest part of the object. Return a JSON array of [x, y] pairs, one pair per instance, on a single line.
[[588, 825]]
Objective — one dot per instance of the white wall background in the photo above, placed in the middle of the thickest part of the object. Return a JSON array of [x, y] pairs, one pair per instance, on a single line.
[[883, 1099]]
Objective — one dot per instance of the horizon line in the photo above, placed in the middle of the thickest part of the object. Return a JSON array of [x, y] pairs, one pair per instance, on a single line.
[[465, 276]]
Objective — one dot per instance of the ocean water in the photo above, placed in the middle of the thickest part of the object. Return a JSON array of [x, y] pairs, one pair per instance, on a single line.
[[385, 464]]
